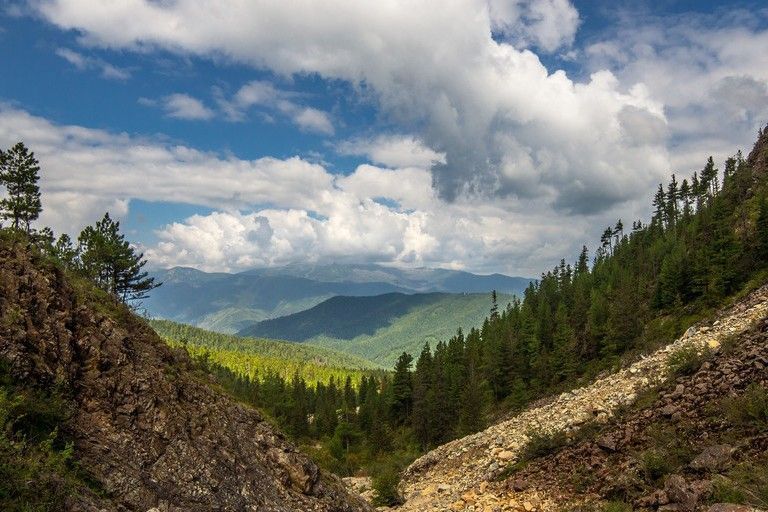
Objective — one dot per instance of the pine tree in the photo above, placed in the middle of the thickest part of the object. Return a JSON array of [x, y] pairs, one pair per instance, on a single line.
[[19, 173], [402, 389], [110, 260]]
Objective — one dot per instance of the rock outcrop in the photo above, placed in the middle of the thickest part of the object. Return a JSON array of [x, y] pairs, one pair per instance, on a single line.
[[146, 426], [464, 474]]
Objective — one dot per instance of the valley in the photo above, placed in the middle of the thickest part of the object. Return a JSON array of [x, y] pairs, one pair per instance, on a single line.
[[474, 256]]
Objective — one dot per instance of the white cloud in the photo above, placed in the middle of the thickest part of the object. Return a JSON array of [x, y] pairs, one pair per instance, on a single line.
[[259, 93], [184, 106], [709, 71], [312, 120], [392, 151], [271, 211], [545, 24], [507, 126], [83, 63]]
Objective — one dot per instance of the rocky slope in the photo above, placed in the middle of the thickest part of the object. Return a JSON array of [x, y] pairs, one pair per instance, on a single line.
[[464, 474], [150, 432]]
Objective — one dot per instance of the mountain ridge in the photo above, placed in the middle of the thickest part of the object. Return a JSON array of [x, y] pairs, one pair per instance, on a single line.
[[228, 303]]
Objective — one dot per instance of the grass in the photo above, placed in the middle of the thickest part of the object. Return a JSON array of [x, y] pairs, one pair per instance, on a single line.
[[687, 360], [745, 484], [749, 409], [37, 469], [667, 452]]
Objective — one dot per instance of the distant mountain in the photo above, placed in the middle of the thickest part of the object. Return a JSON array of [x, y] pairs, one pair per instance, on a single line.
[[228, 303], [380, 328], [423, 280]]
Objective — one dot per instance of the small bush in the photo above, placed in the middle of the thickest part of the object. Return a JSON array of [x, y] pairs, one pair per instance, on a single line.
[[655, 464], [750, 408], [385, 486], [541, 444], [687, 360], [617, 506]]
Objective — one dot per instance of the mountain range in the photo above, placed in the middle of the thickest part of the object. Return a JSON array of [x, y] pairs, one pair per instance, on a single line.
[[229, 303]]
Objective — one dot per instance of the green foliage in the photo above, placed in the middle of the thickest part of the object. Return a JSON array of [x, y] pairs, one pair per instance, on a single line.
[[688, 359], [541, 444], [110, 261], [255, 358], [19, 174], [745, 484], [655, 464], [385, 485], [750, 408], [668, 452], [616, 506], [37, 471]]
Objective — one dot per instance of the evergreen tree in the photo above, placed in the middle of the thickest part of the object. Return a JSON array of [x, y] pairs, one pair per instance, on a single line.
[[402, 389], [19, 173], [112, 263]]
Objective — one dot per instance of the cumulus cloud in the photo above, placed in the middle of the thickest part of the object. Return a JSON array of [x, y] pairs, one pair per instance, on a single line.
[[546, 24], [392, 151], [270, 211], [84, 62], [506, 125], [709, 71]]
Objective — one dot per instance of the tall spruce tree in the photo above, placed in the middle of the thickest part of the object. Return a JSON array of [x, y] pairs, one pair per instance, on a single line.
[[112, 263], [19, 173]]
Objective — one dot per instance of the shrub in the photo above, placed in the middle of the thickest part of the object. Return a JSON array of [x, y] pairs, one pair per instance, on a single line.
[[541, 444], [687, 360], [655, 464], [750, 408], [385, 486]]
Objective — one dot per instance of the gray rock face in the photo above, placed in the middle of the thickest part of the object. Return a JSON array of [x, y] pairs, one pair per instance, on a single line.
[[151, 432]]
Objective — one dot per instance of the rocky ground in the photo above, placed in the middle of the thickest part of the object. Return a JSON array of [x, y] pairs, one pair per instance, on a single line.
[[148, 429], [474, 473]]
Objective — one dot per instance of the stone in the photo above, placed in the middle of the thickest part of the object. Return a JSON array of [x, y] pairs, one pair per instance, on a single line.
[[506, 455], [713, 458], [518, 484], [607, 443], [730, 507]]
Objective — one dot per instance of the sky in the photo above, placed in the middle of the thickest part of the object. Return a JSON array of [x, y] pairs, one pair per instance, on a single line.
[[483, 135]]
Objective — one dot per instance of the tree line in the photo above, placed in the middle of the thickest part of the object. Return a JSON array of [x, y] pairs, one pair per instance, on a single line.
[[101, 251]]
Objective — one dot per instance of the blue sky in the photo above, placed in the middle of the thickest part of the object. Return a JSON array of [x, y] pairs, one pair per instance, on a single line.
[[493, 135]]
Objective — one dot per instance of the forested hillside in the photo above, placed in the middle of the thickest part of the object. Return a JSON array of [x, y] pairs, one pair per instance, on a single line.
[[255, 357], [229, 302], [380, 328], [706, 241]]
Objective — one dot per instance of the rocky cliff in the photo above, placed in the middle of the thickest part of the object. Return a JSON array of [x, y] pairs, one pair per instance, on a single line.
[[149, 431], [601, 452]]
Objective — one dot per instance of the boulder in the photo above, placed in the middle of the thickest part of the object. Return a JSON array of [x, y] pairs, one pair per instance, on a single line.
[[713, 458]]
